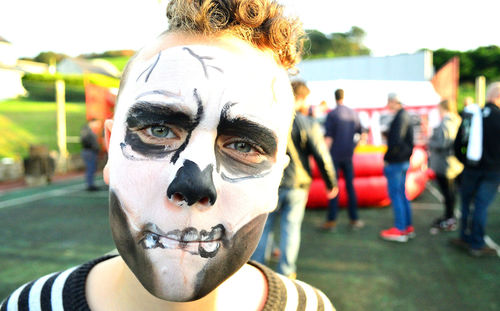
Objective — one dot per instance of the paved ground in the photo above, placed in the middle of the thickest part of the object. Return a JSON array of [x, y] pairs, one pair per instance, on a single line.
[[50, 228]]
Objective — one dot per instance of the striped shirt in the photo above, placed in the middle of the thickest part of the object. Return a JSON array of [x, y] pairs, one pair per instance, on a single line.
[[66, 291]]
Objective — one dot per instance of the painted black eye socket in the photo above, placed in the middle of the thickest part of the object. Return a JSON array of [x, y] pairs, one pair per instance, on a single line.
[[160, 131]]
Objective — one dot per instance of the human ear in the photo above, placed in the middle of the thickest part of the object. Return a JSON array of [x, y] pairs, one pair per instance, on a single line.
[[108, 125], [287, 160]]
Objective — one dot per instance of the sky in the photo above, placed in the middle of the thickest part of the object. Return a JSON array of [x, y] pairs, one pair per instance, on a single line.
[[392, 27]]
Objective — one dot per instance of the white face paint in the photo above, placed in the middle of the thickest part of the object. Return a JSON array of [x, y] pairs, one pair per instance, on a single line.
[[196, 156]]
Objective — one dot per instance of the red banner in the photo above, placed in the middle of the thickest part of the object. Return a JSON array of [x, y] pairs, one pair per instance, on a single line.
[[445, 81], [100, 101]]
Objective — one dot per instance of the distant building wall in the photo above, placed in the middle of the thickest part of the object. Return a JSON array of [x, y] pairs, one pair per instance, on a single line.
[[69, 66], [10, 83], [32, 67], [8, 55], [403, 67]]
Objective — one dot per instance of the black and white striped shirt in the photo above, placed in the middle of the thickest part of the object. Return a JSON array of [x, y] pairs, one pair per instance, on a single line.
[[65, 291]]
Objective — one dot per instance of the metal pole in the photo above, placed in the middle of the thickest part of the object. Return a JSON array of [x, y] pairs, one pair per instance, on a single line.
[[61, 124]]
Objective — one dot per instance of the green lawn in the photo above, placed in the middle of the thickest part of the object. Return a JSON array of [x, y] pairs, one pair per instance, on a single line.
[[119, 61], [356, 269], [24, 122]]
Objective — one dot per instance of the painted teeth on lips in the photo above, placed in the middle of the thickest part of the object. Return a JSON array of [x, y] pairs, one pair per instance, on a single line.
[[206, 244]]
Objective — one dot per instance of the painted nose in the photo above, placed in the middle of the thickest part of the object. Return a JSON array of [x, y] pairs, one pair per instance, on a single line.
[[193, 185]]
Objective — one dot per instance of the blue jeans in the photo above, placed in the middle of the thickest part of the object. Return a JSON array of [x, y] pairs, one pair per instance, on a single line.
[[90, 159], [481, 187], [291, 206], [396, 179], [346, 167]]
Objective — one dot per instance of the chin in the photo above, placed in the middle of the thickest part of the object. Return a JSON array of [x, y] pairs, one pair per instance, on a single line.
[[183, 273]]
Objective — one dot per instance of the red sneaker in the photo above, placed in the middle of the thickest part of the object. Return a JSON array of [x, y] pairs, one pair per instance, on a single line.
[[410, 232], [394, 234]]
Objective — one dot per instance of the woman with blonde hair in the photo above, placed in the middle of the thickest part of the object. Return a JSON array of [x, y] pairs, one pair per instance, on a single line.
[[445, 165]]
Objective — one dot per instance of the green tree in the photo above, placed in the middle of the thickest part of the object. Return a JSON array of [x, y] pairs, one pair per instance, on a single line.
[[349, 43], [45, 57], [318, 44], [336, 44], [483, 61]]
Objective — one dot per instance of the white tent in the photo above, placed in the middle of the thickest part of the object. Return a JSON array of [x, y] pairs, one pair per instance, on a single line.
[[367, 82], [10, 77], [372, 94]]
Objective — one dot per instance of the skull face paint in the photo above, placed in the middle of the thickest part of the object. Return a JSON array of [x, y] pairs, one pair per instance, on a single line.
[[196, 155]]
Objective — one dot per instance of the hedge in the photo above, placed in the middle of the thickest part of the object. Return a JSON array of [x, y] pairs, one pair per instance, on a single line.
[[41, 87]]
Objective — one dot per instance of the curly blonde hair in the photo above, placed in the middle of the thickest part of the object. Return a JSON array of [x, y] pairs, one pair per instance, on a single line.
[[262, 23]]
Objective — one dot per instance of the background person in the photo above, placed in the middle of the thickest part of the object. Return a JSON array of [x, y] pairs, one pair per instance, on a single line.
[[343, 131], [480, 181], [195, 161], [397, 162], [468, 100], [306, 140], [445, 165], [90, 152]]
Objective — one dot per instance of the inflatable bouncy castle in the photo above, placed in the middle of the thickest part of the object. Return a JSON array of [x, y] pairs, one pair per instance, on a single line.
[[369, 182], [367, 81]]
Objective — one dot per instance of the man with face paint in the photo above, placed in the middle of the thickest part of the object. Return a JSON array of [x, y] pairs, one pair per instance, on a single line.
[[197, 150]]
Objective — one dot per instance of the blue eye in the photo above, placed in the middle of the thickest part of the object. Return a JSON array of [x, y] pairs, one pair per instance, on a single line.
[[242, 147], [161, 131]]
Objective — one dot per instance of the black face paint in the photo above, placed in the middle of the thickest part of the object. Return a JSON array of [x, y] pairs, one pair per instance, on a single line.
[[234, 252], [231, 257], [238, 179], [150, 151], [202, 59], [160, 92], [125, 243], [241, 127], [149, 69], [192, 184], [249, 132], [196, 121], [145, 114]]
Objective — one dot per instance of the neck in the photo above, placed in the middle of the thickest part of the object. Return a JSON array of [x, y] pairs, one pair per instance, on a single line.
[[133, 296], [124, 292]]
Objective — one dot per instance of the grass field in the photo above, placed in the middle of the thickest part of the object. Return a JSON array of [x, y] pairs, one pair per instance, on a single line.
[[54, 227], [24, 122], [118, 61]]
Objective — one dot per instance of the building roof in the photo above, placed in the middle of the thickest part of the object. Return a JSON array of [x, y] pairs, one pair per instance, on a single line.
[[80, 65]]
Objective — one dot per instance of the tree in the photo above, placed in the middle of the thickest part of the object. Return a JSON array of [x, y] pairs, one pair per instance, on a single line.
[[336, 44], [46, 57], [318, 43], [483, 61]]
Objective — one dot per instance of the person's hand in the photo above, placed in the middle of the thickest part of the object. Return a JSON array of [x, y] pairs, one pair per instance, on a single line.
[[332, 193]]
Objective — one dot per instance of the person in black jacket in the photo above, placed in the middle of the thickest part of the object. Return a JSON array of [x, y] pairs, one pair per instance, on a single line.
[[90, 152], [306, 140], [480, 180], [397, 162]]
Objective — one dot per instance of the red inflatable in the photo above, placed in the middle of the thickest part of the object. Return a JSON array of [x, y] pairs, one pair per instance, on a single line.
[[369, 180]]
